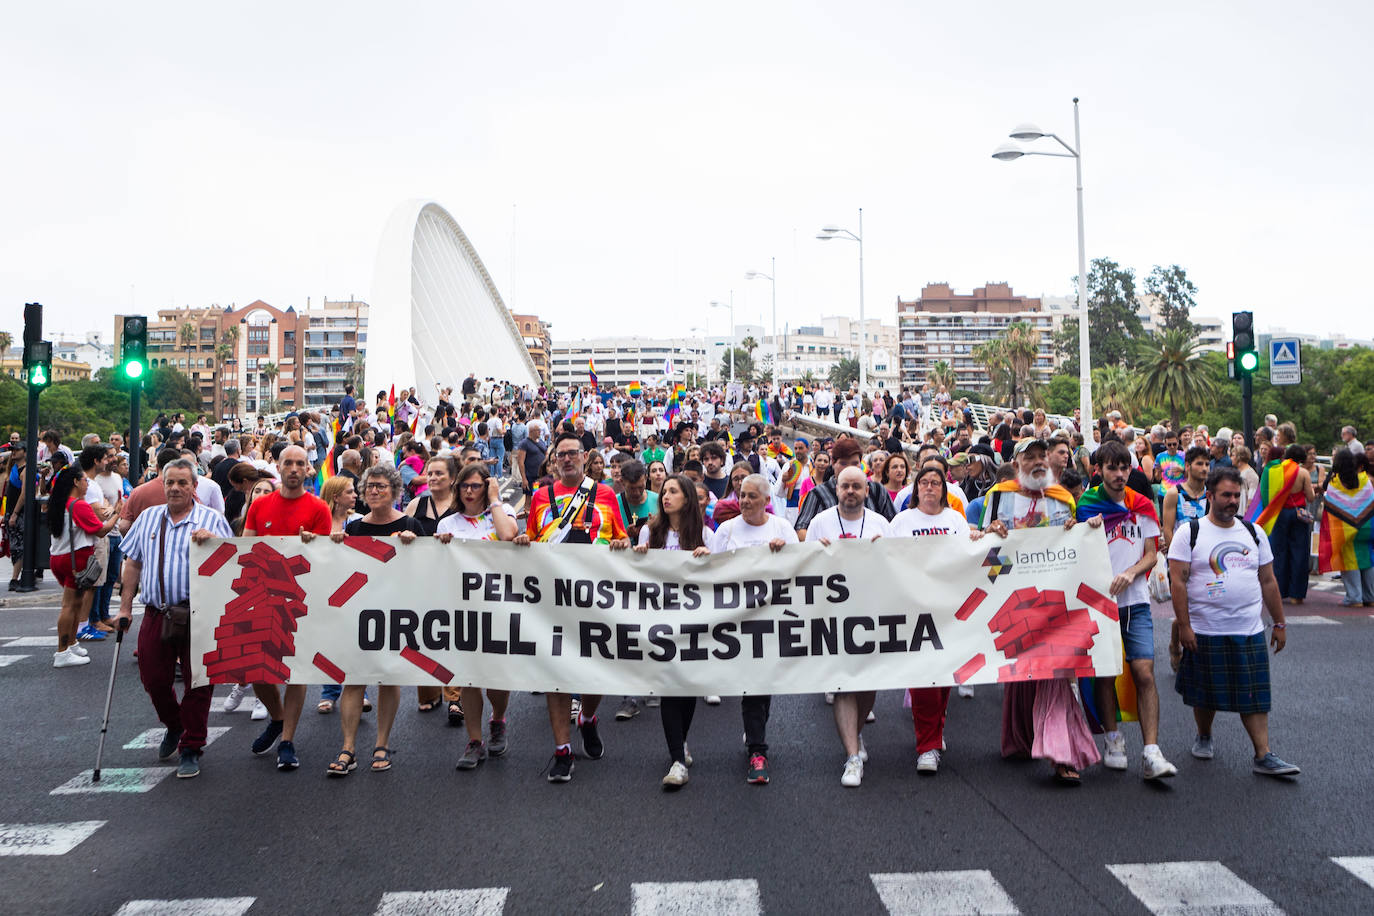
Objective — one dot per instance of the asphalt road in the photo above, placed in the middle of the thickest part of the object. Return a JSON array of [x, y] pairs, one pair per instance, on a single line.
[[302, 843]]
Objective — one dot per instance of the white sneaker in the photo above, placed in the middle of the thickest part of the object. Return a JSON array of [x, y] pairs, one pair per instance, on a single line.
[[686, 753], [830, 699], [853, 772], [712, 700], [68, 659], [677, 775], [236, 694], [872, 717], [259, 711], [1114, 757], [1154, 766], [863, 750], [966, 692], [576, 709], [78, 649], [929, 762]]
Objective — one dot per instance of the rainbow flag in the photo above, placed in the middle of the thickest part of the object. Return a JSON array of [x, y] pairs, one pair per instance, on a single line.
[[591, 370], [780, 450], [635, 389], [629, 422], [391, 403], [1275, 481], [763, 412], [325, 472], [1097, 502], [1346, 540], [674, 403]]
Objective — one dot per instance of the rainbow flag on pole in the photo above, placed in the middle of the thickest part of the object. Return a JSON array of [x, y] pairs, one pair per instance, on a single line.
[[591, 370], [634, 389], [1275, 481]]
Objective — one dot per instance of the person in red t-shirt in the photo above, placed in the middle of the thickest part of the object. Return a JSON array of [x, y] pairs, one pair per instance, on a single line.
[[286, 513], [573, 517]]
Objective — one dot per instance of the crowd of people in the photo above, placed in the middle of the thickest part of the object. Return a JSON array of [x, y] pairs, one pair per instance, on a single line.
[[668, 469]]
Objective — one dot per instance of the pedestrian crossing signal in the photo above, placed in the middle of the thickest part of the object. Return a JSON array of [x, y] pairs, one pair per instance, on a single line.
[[39, 365], [134, 347]]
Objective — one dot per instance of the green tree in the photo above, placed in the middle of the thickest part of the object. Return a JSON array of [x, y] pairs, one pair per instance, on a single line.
[[844, 373], [749, 344], [1177, 296], [1114, 389], [744, 365], [231, 402], [357, 368], [942, 373], [1112, 320], [1170, 373], [187, 333], [168, 389], [1010, 361], [1062, 394], [6, 341]]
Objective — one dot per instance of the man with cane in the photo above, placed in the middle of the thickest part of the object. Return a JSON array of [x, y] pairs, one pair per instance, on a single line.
[[157, 563]]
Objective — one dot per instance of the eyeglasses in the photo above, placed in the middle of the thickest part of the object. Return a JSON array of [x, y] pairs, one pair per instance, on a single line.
[[471, 486], [567, 454], [377, 487]]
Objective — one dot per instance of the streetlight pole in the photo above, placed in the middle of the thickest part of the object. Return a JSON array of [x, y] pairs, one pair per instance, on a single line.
[[731, 306], [1006, 153], [704, 358], [770, 277], [835, 232]]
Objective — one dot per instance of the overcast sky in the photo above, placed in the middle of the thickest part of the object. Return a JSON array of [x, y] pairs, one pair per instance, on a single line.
[[620, 165]]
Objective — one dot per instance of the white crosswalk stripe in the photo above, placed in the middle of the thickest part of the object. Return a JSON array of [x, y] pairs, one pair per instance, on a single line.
[[738, 897], [153, 737], [196, 906], [943, 893], [115, 779], [30, 642], [1361, 867], [1310, 619], [1183, 888], [45, 839], [479, 901], [7, 660]]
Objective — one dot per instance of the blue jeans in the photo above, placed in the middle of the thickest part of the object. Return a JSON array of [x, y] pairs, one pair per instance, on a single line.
[[1359, 585], [100, 605], [498, 451]]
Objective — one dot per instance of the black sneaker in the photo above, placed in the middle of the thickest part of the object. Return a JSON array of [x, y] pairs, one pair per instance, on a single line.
[[475, 753], [263, 743], [286, 756], [189, 767], [592, 746], [758, 770], [168, 748], [496, 740], [561, 768]]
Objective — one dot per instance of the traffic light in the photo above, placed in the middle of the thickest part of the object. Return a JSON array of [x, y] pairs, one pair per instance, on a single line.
[[1245, 355], [134, 348], [39, 365]]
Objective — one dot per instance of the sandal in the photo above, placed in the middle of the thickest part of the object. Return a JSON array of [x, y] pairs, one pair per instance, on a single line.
[[367, 704], [384, 760], [340, 767], [325, 707], [1067, 776], [455, 713], [430, 706]]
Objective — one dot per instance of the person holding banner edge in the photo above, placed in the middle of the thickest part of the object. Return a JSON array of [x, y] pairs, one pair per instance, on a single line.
[[573, 509]]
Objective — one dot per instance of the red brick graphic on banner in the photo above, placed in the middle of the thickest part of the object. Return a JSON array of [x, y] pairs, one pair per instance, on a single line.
[[258, 628], [1042, 636]]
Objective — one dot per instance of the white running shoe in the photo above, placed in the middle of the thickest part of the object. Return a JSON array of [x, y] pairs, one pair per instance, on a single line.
[[1114, 757], [863, 750], [576, 709], [853, 772], [830, 699], [259, 711], [686, 753], [1154, 766], [872, 717], [236, 695], [966, 692], [68, 659], [677, 776], [712, 700], [929, 762], [78, 649]]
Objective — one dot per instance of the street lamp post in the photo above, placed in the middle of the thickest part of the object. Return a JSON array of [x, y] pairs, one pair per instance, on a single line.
[[731, 306], [757, 275], [704, 357], [835, 232], [1006, 153]]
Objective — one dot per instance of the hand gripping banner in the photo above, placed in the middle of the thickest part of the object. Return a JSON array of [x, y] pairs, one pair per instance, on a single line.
[[884, 614]]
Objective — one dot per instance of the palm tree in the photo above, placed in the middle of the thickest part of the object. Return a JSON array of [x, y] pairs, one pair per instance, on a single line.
[[269, 373], [231, 402], [187, 333], [1170, 371], [357, 368], [1114, 388], [1010, 362], [749, 345], [6, 340], [844, 372], [942, 373]]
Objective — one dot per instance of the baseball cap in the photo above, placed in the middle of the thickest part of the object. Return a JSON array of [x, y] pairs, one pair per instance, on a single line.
[[1028, 442]]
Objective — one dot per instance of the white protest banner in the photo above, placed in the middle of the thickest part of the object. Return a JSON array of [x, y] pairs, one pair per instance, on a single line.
[[576, 618]]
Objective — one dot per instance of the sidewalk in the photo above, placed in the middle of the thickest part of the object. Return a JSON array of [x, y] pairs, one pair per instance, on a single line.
[[49, 594]]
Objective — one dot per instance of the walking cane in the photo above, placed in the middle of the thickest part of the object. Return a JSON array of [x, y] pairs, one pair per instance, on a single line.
[[109, 696]]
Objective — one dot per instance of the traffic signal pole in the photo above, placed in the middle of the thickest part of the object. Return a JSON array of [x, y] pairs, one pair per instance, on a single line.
[[1247, 409], [135, 439]]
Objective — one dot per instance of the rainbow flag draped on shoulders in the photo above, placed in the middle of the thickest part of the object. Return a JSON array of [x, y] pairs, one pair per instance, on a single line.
[[1275, 481], [1097, 502], [1346, 540]]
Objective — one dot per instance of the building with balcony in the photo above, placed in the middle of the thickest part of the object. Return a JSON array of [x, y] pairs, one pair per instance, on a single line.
[[538, 342], [944, 326]]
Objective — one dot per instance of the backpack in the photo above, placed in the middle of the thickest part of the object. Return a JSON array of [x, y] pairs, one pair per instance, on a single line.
[[1193, 529], [508, 440]]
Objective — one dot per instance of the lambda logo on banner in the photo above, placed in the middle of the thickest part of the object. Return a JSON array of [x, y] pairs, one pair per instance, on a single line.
[[997, 563]]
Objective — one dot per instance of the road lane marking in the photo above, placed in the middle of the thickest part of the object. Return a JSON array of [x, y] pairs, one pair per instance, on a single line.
[[1179, 888], [943, 893], [1361, 867], [474, 901], [153, 737], [738, 897], [45, 839], [7, 660], [31, 642], [195, 906], [115, 779], [1311, 618]]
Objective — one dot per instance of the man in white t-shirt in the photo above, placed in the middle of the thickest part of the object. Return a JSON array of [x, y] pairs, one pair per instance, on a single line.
[[1221, 574], [850, 519], [754, 527], [1132, 534]]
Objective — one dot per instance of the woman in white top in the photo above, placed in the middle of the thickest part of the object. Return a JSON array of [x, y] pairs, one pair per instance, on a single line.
[[678, 525], [481, 516], [75, 528]]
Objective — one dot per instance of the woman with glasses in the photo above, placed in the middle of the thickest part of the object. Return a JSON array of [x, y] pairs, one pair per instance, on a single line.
[[481, 516]]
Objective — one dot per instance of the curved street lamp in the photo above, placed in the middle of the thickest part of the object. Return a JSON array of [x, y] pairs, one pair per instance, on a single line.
[[759, 275], [835, 232]]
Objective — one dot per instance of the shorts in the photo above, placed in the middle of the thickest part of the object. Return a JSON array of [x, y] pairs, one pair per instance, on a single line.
[[1226, 673], [1137, 631], [62, 565]]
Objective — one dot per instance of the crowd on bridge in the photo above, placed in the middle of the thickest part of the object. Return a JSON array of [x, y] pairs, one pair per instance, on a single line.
[[665, 468]]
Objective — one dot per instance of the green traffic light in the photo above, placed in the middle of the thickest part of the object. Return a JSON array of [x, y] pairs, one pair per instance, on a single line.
[[1249, 361], [133, 369]]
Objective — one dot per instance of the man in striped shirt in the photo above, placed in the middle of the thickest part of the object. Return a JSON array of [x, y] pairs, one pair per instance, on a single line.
[[157, 563]]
